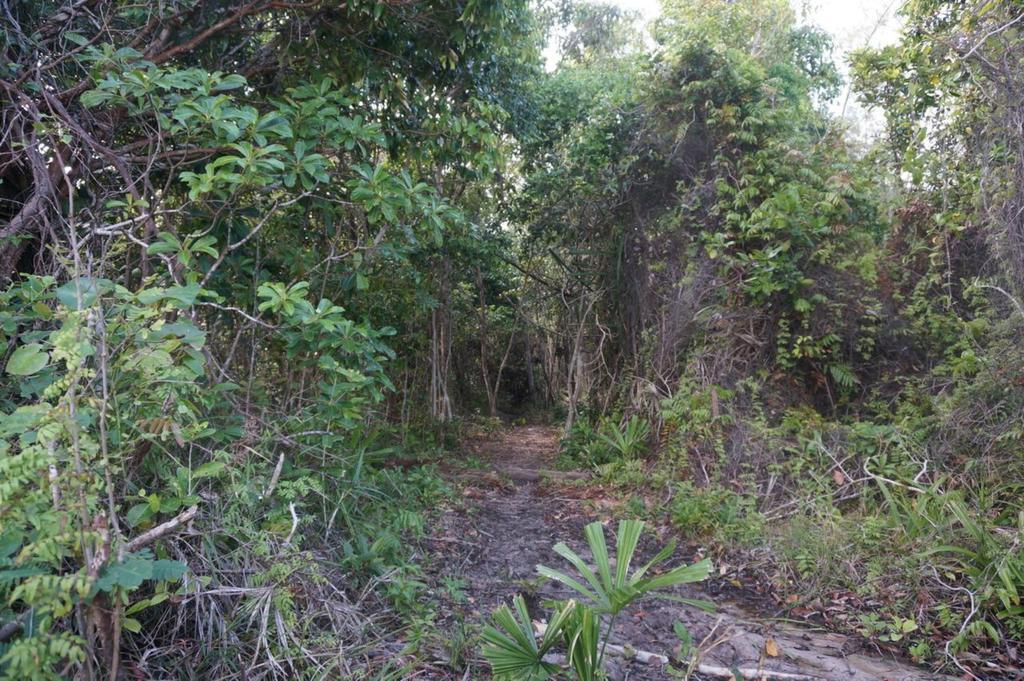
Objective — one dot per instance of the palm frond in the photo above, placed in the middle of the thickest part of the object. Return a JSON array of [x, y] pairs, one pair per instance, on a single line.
[[511, 647], [610, 594]]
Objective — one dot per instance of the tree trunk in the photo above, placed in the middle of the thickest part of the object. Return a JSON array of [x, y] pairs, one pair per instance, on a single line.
[[492, 398], [531, 382]]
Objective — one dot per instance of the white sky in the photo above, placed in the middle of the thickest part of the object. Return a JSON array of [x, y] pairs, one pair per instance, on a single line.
[[852, 23]]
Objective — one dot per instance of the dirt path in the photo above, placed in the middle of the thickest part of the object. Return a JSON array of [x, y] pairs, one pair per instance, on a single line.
[[487, 551]]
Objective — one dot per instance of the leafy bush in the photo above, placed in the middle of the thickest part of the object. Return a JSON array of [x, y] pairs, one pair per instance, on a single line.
[[714, 511], [609, 441], [117, 466]]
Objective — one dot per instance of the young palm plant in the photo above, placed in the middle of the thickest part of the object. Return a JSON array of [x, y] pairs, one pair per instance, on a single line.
[[513, 650], [627, 441], [511, 647]]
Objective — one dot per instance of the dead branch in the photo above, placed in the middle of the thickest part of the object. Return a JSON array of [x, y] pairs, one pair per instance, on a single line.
[[645, 657], [149, 536]]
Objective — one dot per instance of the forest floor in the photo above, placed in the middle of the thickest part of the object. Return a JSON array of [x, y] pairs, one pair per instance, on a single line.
[[514, 508]]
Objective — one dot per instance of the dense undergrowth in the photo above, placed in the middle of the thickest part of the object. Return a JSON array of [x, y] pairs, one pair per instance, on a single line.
[[809, 347], [261, 259]]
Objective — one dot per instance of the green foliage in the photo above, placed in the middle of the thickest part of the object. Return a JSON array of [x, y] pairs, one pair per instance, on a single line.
[[230, 300], [712, 511], [607, 443], [55, 526], [189, 352], [510, 645], [629, 440], [610, 594]]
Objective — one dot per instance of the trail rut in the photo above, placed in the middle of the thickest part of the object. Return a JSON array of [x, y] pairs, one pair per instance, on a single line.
[[491, 544]]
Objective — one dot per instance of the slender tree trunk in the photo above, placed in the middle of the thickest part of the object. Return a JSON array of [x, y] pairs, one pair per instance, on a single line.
[[492, 395], [440, 402], [492, 403], [575, 369], [440, 348], [531, 381]]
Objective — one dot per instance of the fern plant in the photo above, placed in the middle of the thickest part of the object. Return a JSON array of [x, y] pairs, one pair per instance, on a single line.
[[509, 642]]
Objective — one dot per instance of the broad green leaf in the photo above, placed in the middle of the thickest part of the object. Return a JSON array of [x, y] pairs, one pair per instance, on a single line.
[[137, 513], [150, 296], [27, 360], [208, 470], [129, 574], [232, 82], [186, 295], [93, 98], [167, 570], [9, 543], [89, 288]]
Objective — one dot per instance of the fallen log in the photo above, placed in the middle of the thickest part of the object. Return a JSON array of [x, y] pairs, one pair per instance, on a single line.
[[754, 674], [750, 673]]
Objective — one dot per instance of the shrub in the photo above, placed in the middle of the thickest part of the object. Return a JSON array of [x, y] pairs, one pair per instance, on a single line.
[[606, 443], [714, 511]]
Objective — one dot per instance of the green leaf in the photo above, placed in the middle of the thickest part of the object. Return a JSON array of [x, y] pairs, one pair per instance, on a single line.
[[558, 576], [685, 574], [186, 295], [27, 360], [232, 82], [137, 568], [685, 639], [582, 637], [706, 606], [22, 419], [594, 533], [158, 247], [168, 570], [9, 543], [577, 562], [625, 546], [90, 289], [185, 330], [93, 98], [129, 574], [18, 574], [139, 606], [209, 469], [150, 296], [511, 648], [42, 310], [611, 596], [137, 513]]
